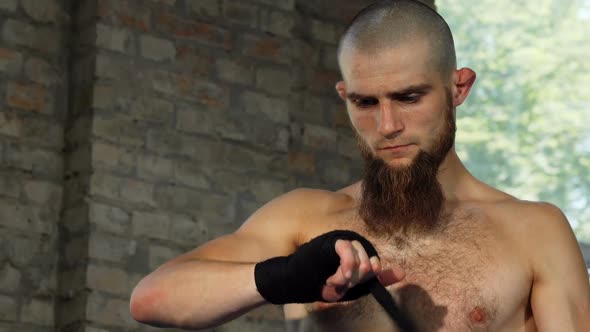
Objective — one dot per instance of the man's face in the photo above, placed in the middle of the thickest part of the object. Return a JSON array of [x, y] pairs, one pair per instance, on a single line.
[[403, 116], [396, 100]]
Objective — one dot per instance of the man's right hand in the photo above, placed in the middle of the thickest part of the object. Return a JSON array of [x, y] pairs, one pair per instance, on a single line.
[[331, 267], [356, 267]]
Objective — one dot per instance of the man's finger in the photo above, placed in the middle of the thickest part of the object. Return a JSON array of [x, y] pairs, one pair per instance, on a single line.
[[337, 279], [333, 294], [376, 265], [347, 255], [390, 276], [364, 268]]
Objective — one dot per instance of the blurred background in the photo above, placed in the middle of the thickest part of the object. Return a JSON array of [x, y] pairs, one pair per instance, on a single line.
[[526, 126], [132, 131]]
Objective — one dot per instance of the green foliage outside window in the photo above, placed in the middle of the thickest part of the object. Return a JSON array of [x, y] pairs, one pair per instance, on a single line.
[[526, 125]]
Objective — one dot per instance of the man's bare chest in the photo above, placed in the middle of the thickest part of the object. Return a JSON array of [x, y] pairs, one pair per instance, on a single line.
[[465, 279], [448, 286]]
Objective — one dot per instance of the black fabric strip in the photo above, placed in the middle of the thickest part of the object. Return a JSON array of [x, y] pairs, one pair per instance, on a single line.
[[386, 301]]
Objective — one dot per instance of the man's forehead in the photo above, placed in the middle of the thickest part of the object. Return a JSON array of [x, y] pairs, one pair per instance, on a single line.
[[387, 70], [355, 62]]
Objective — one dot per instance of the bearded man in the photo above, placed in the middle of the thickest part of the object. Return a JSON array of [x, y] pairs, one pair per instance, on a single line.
[[454, 253]]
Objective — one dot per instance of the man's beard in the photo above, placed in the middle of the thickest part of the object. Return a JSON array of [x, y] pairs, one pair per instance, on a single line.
[[408, 199]]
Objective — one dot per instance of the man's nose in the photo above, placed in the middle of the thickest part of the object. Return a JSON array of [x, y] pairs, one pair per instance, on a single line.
[[390, 122]]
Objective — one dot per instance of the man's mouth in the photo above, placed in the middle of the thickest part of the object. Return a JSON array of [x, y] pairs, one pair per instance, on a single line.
[[396, 148]]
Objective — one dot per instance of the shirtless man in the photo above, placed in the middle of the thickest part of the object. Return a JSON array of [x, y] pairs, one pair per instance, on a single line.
[[455, 253]]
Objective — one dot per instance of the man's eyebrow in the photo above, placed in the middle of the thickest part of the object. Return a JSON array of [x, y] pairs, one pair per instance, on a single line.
[[419, 88], [354, 95]]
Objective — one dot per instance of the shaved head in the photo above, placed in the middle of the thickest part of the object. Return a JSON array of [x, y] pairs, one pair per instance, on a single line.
[[389, 24]]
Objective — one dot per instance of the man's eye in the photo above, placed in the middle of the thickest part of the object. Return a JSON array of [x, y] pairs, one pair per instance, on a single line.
[[409, 99], [365, 102]]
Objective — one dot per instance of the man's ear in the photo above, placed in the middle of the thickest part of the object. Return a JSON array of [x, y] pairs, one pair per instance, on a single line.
[[463, 80], [341, 89]]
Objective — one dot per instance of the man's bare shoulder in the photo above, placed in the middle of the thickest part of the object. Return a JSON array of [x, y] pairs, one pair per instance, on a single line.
[[538, 227], [546, 225], [275, 229], [525, 216], [304, 201], [529, 213], [527, 222], [297, 210]]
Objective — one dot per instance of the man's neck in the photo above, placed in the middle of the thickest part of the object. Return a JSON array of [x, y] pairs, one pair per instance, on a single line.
[[454, 177]]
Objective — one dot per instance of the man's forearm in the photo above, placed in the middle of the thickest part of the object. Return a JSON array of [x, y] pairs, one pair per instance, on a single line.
[[195, 294]]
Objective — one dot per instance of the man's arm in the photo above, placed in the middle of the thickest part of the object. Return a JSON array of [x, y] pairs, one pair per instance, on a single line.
[[195, 294], [561, 293], [265, 260], [214, 283]]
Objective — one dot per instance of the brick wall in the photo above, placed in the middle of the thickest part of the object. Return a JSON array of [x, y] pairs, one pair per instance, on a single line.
[[33, 96], [161, 124]]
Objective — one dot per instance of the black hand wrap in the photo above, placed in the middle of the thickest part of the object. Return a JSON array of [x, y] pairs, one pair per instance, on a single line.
[[300, 277]]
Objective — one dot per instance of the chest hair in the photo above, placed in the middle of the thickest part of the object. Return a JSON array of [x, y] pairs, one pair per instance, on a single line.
[[447, 272], [447, 276]]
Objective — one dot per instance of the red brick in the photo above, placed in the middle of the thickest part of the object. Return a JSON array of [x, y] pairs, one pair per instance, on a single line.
[[7, 54], [184, 85], [302, 162], [132, 21], [241, 13], [267, 48], [323, 81], [202, 32], [210, 94], [193, 61], [10, 61], [28, 97], [123, 13]]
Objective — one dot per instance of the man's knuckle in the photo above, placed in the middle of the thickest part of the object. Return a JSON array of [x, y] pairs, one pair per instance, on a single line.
[[365, 268]]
